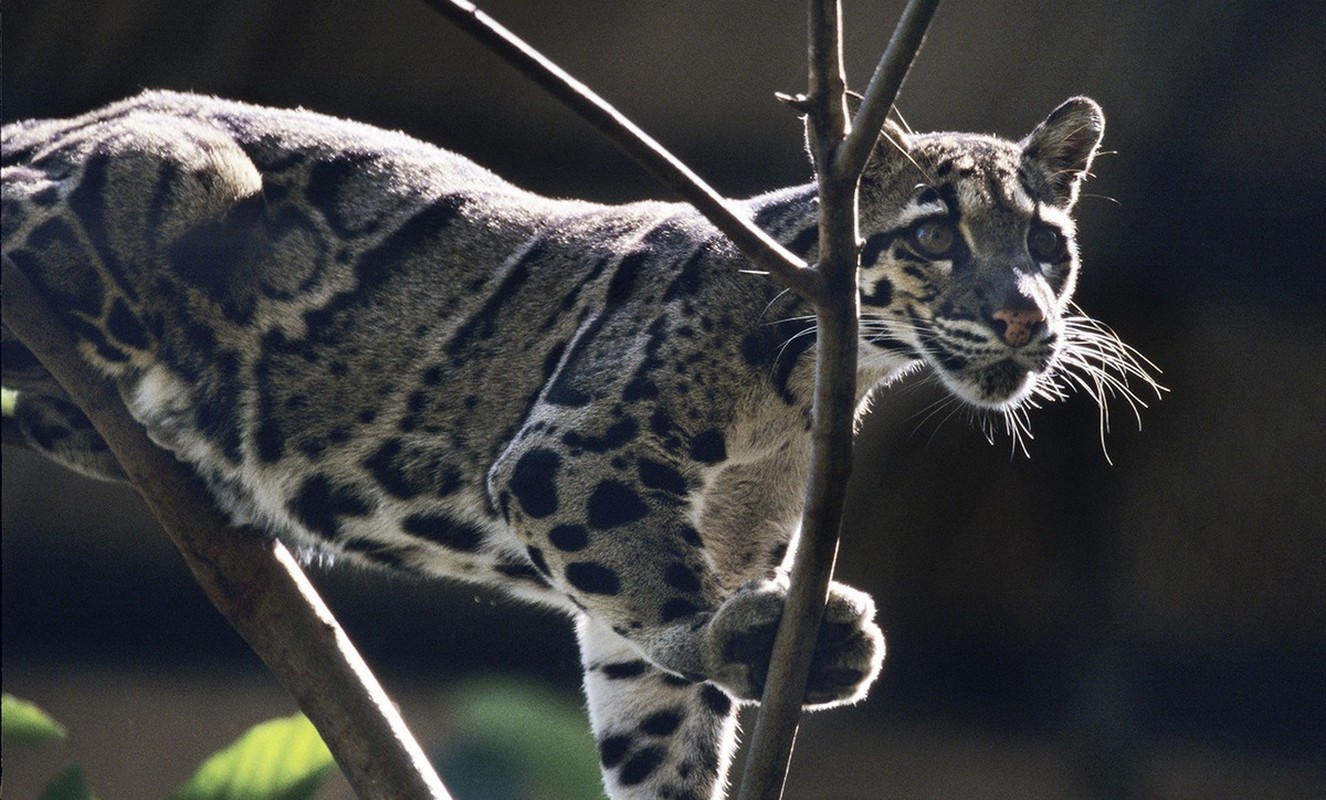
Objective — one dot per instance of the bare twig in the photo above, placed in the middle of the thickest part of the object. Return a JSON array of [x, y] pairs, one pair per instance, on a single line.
[[762, 250], [884, 86], [250, 578]]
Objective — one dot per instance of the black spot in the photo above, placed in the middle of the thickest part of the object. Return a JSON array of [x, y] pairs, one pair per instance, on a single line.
[[93, 335], [533, 482], [521, 571], [676, 608], [593, 578], [384, 553], [691, 536], [681, 577], [875, 246], [47, 197], [126, 327], [569, 538], [617, 434], [270, 440], [657, 475], [661, 423], [802, 243], [624, 669], [660, 723], [715, 699], [320, 503], [677, 681], [640, 388], [709, 446], [641, 765], [216, 415], [444, 530], [612, 749], [384, 465], [613, 504], [536, 558], [882, 294], [689, 278]]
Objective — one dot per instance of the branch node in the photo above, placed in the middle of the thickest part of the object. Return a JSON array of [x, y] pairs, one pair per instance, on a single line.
[[801, 103]]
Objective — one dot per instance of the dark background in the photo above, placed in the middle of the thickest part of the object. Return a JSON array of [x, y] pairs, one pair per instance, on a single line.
[[1058, 627]]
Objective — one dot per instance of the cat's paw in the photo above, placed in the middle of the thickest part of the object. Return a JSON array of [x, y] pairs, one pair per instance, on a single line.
[[848, 652]]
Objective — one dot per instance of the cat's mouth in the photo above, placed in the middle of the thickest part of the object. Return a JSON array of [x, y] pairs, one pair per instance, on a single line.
[[998, 383]]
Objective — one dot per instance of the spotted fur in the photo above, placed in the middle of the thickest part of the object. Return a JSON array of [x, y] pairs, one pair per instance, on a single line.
[[377, 349]]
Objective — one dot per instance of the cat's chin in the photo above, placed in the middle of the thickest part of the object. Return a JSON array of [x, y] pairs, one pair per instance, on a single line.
[[999, 386]]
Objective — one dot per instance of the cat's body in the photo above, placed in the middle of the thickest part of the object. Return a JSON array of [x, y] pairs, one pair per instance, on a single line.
[[371, 346]]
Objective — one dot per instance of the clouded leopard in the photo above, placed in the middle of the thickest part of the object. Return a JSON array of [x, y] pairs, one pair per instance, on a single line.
[[375, 348]]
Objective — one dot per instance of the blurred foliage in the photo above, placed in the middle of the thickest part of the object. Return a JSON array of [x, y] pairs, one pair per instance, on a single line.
[[23, 723], [281, 759], [518, 741]]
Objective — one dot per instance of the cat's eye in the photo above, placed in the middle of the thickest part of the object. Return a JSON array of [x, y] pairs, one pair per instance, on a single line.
[[1046, 244], [934, 238]]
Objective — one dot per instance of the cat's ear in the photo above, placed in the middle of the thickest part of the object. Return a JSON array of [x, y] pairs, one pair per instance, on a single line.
[[1059, 151], [892, 141]]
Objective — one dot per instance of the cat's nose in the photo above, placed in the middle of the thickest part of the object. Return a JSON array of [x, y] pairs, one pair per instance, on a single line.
[[1018, 324]]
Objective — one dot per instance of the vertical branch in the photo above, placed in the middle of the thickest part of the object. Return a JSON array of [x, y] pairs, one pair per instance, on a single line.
[[840, 157], [831, 435], [252, 580], [830, 287]]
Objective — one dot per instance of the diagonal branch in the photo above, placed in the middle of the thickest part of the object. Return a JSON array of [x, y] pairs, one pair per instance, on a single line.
[[884, 86], [251, 579], [757, 245]]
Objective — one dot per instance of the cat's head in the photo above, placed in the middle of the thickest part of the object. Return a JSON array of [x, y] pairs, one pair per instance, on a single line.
[[970, 259]]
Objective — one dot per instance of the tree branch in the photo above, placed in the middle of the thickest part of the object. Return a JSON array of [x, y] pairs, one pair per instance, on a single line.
[[884, 86], [830, 287], [251, 578], [754, 243], [839, 162]]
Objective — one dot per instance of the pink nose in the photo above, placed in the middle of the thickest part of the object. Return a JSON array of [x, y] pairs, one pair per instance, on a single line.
[[1018, 325]]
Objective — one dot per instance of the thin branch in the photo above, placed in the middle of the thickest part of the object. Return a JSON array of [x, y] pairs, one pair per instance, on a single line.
[[757, 245], [250, 578], [884, 86], [839, 162], [831, 435]]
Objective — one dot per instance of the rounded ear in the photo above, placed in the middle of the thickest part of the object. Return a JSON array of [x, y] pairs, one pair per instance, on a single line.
[[1058, 153], [892, 139]]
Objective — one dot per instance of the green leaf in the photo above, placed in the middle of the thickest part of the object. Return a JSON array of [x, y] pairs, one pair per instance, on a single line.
[[68, 785], [281, 759], [24, 723], [528, 736]]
